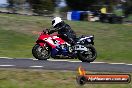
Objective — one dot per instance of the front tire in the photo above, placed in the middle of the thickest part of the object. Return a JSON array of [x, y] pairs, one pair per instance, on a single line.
[[41, 53], [88, 56]]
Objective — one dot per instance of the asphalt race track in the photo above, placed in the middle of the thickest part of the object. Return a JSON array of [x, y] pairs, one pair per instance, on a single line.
[[64, 65]]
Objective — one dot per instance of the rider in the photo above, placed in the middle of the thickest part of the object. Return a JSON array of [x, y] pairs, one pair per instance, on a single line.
[[64, 30]]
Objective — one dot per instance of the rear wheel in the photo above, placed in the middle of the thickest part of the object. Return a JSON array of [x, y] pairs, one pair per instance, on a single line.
[[88, 56], [41, 53]]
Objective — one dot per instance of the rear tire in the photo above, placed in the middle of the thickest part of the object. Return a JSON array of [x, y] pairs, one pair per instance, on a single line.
[[41, 53], [88, 56]]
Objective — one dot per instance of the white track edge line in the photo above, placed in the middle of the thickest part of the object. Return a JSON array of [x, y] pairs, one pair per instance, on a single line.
[[98, 62], [74, 61], [56, 60], [36, 66], [128, 64], [6, 57], [117, 63], [7, 65]]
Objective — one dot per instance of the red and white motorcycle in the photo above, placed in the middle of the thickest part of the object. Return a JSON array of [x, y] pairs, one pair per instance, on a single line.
[[54, 46]]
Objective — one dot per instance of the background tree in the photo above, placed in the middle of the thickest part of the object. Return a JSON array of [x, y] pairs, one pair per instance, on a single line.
[[127, 7], [110, 4], [80, 4], [15, 5], [91, 4], [11, 6], [42, 6]]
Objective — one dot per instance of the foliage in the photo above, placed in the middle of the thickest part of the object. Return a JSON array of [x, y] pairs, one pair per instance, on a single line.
[[80, 4], [42, 6], [91, 4], [15, 5], [127, 7]]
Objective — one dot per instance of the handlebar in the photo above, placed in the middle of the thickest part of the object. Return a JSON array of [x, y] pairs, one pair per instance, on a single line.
[[50, 31], [46, 31]]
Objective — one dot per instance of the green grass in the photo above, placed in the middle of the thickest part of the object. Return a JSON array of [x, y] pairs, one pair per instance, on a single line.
[[118, 12], [112, 41], [15, 44], [129, 18], [46, 79]]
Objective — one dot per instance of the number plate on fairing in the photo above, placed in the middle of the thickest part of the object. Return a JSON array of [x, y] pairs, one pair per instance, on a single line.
[[80, 47]]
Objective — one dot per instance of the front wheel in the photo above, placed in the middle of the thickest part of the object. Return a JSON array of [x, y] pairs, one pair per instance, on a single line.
[[88, 56], [41, 53]]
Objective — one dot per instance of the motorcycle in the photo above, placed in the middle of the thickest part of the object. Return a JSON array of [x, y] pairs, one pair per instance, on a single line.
[[55, 46]]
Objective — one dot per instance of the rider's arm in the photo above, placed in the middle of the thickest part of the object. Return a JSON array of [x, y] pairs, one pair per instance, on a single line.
[[52, 31]]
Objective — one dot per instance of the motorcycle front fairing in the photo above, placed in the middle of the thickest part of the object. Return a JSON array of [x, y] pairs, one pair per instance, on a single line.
[[41, 41], [54, 41], [45, 38]]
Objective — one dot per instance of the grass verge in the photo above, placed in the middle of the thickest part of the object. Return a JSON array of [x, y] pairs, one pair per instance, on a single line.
[[46, 79], [112, 41], [15, 44]]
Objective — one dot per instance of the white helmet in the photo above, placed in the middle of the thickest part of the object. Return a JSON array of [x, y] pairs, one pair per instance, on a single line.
[[56, 21]]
